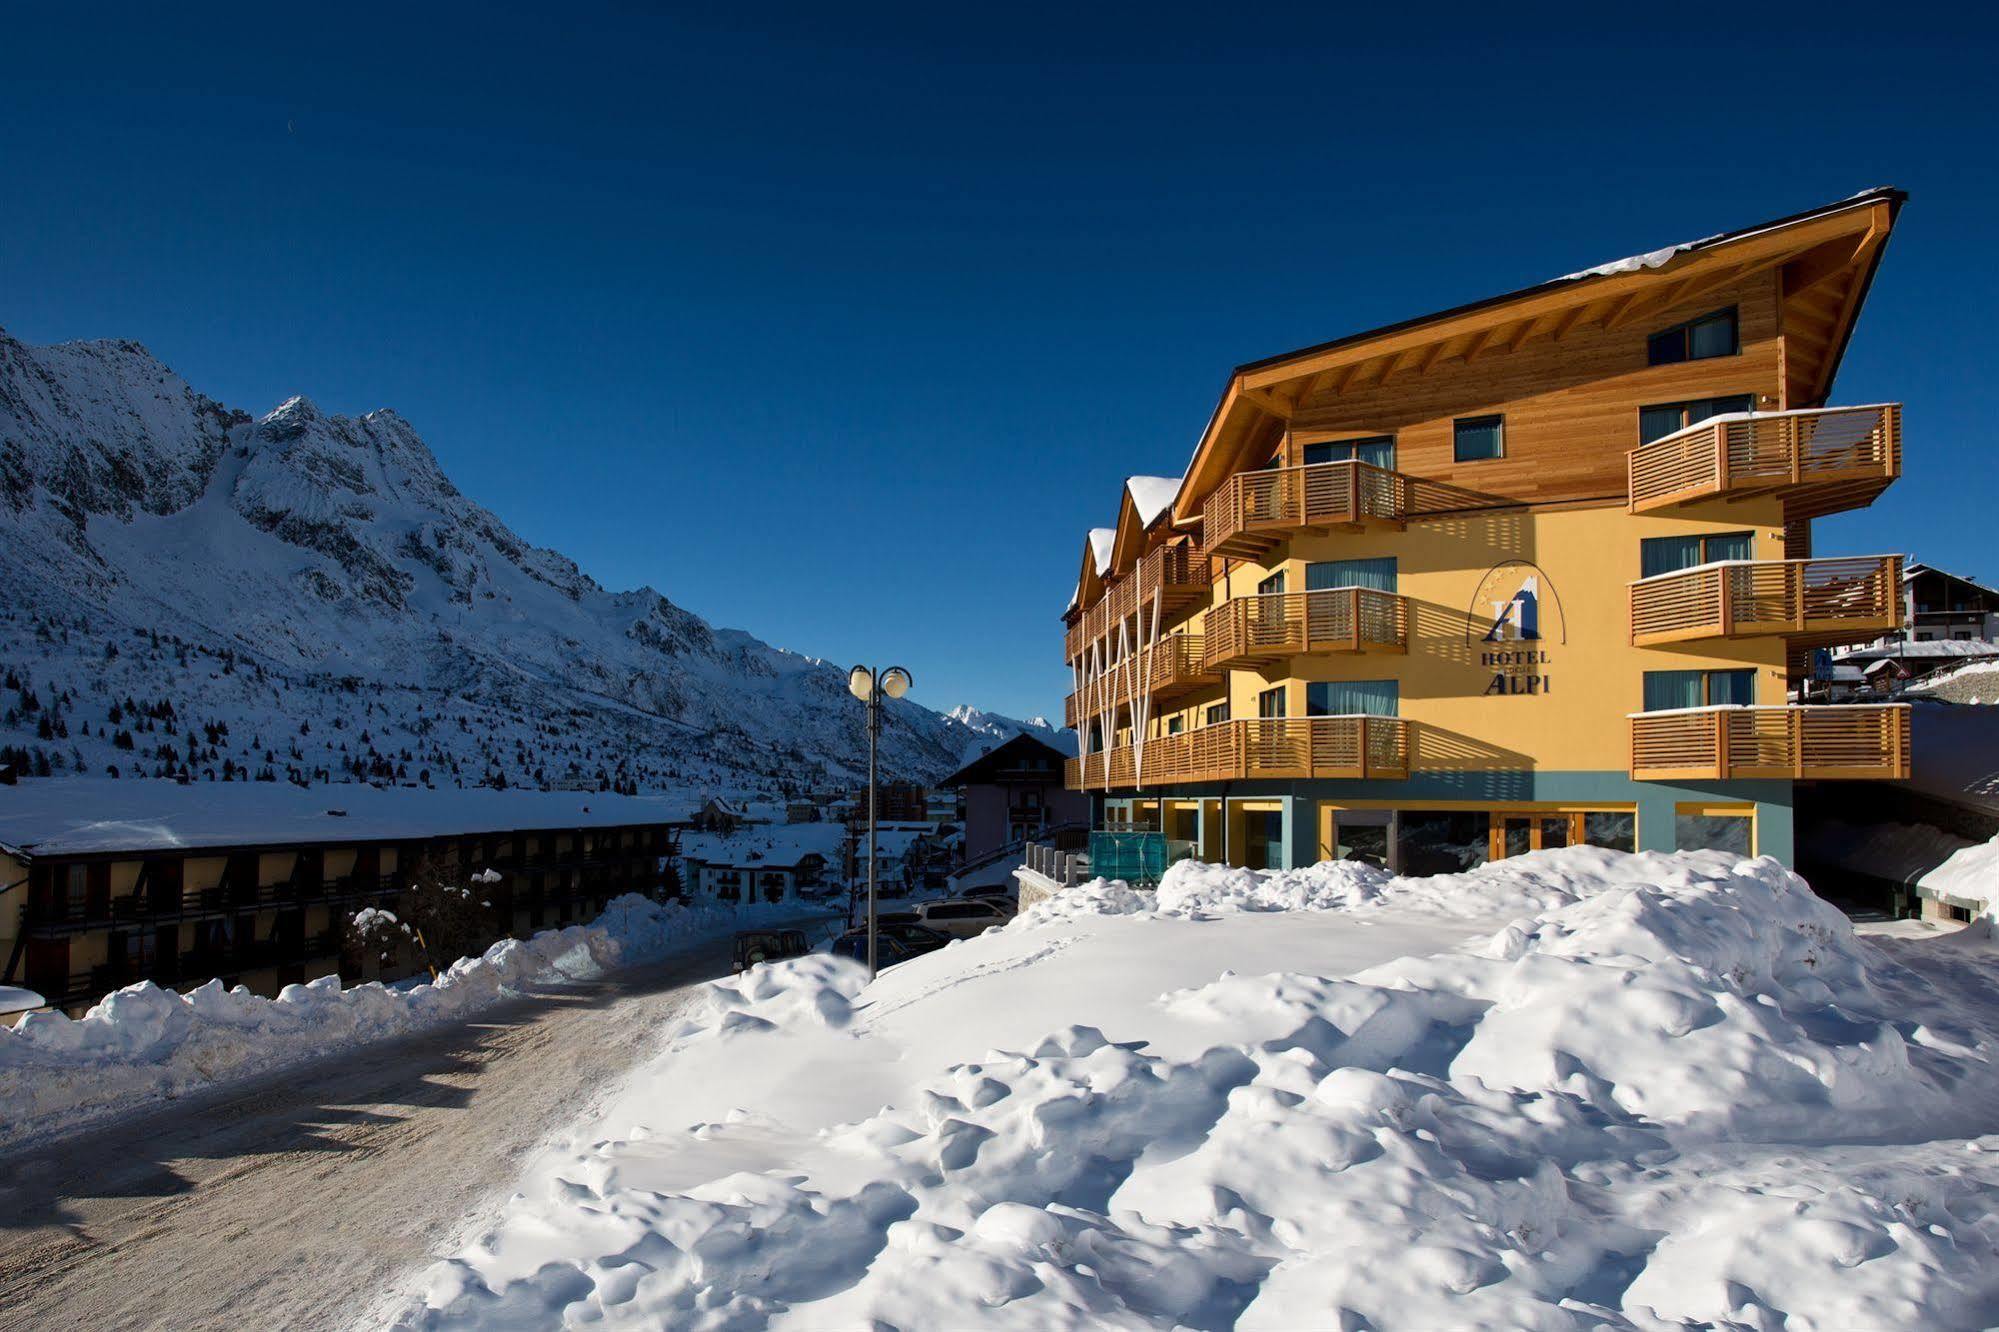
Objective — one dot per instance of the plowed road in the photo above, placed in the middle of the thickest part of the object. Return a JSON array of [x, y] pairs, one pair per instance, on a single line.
[[300, 1199]]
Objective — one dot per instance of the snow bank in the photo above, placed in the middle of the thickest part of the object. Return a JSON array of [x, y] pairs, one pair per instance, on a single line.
[[1623, 1109], [1970, 875], [145, 1042]]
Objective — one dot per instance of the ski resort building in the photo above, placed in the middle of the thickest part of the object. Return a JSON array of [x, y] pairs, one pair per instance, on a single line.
[[106, 883], [1532, 571]]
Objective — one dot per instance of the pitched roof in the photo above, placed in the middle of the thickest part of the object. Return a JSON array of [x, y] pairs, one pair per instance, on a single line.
[[1020, 746]]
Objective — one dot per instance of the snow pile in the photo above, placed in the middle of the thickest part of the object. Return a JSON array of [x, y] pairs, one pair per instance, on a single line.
[[1517, 886], [1622, 1110], [144, 1042], [1970, 875]]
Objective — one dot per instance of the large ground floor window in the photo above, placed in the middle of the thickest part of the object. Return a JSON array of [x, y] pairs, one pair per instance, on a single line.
[[1715, 828]]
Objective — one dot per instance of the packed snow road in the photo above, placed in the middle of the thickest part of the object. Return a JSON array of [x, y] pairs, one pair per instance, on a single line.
[[292, 1199]]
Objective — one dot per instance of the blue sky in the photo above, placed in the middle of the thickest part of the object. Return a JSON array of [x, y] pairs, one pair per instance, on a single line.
[[842, 327]]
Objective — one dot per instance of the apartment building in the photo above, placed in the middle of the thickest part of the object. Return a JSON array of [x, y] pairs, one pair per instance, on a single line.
[[107, 883], [1533, 571]]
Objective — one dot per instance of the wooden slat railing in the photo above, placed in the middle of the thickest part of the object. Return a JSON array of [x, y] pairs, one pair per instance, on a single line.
[[1853, 741], [1861, 595], [1174, 576], [1280, 624], [1259, 747], [1768, 451], [1253, 510], [1172, 666]]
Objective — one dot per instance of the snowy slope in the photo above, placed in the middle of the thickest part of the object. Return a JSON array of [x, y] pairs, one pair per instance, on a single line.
[[302, 563]]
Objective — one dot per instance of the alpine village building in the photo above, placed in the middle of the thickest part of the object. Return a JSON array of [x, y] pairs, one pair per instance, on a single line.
[[1526, 573]]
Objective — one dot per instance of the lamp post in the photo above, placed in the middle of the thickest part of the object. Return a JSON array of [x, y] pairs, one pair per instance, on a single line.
[[868, 685]]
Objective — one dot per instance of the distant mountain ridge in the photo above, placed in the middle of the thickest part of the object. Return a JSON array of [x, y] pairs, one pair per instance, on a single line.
[[315, 557]]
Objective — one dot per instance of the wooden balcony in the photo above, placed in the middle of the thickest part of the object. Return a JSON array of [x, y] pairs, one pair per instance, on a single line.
[[1171, 579], [1248, 632], [1253, 511], [1170, 668], [1818, 461], [1820, 601], [1355, 748], [1716, 744]]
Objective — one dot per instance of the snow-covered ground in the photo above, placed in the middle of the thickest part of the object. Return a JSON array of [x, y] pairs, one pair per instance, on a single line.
[[1671, 1090], [144, 1042]]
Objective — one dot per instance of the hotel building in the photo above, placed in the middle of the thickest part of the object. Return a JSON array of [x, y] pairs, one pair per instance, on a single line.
[[1529, 572]]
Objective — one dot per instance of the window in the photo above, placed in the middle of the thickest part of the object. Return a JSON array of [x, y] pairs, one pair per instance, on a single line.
[[1443, 841], [1271, 585], [1353, 698], [1217, 713], [1607, 828], [1662, 419], [1377, 450], [1715, 334], [1479, 438], [1377, 574], [1270, 703], [1657, 555], [1665, 690], [1713, 831], [1175, 724]]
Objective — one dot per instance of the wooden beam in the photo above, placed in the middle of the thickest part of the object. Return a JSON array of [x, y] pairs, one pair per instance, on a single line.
[[1269, 402]]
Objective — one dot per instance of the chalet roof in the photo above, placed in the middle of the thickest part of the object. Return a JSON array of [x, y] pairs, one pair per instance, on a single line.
[[84, 815], [777, 846], [1911, 571], [1845, 238], [1022, 746]]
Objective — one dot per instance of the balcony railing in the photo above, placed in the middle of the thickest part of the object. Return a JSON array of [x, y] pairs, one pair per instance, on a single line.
[[1264, 747], [1819, 460], [1696, 744], [1834, 600], [1171, 667], [1172, 578], [1259, 630]]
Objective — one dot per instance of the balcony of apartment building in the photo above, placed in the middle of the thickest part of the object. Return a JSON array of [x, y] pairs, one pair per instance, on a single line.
[[1816, 601], [1168, 669], [1817, 460], [1263, 629], [1172, 579], [1719, 743], [1253, 512], [1277, 748]]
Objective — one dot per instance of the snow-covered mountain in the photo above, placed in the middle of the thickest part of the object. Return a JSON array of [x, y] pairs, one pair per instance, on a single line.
[[987, 730], [309, 594]]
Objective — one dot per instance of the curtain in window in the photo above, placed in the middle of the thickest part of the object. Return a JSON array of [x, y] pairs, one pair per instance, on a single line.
[[1270, 703], [1672, 689], [1272, 584], [1378, 450], [1347, 698], [1658, 555], [1731, 687], [1727, 546], [1377, 574], [1478, 438]]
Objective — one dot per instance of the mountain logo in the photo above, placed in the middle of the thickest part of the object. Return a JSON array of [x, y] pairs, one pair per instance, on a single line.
[[1514, 617]]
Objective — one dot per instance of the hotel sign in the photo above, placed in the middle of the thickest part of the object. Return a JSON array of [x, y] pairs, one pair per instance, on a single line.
[[1515, 622]]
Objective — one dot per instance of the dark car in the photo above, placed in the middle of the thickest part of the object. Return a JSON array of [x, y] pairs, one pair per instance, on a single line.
[[895, 942], [754, 946]]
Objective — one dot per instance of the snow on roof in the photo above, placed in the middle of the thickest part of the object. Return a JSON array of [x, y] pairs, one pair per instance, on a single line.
[[1152, 496], [779, 845], [1659, 258], [52, 816], [1100, 547], [1921, 648]]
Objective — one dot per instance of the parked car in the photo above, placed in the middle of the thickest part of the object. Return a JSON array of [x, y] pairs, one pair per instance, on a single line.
[[897, 942], [754, 946], [1003, 894], [962, 917]]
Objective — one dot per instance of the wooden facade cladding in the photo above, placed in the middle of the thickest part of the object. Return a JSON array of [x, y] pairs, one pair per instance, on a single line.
[[1274, 747], [1817, 461], [1247, 632], [1831, 601], [1798, 742]]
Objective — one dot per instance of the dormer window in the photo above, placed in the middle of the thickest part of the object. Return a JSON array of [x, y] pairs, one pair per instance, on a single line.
[[1711, 335]]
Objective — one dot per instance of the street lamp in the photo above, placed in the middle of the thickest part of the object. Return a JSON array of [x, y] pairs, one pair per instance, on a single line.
[[868, 685]]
